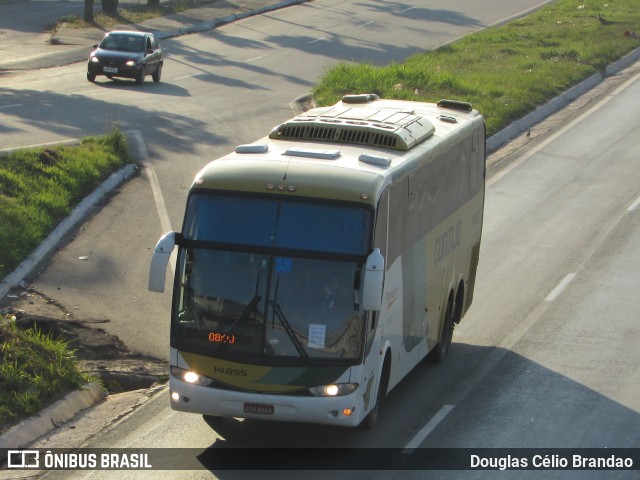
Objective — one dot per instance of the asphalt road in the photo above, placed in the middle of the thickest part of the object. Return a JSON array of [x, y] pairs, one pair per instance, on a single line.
[[219, 89], [546, 357]]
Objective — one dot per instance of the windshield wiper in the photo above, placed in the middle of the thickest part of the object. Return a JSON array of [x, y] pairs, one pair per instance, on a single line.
[[251, 306], [277, 311], [287, 328]]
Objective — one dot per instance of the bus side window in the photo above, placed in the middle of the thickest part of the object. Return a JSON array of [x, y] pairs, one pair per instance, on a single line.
[[380, 236], [395, 239]]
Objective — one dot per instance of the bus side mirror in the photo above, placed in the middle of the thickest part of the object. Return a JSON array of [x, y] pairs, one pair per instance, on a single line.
[[160, 260], [373, 281]]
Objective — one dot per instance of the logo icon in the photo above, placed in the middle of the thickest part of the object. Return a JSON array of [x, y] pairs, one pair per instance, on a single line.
[[23, 459]]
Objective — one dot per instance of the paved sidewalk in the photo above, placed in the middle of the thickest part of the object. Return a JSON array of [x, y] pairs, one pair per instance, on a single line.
[[28, 39]]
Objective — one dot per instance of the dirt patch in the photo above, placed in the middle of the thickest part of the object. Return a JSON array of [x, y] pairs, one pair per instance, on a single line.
[[99, 353]]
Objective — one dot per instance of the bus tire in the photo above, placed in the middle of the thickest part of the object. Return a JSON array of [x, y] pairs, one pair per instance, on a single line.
[[457, 310], [441, 349], [372, 418]]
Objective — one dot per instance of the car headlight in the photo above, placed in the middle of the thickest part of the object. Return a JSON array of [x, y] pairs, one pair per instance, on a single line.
[[130, 63], [334, 390], [189, 376], [94, 60]]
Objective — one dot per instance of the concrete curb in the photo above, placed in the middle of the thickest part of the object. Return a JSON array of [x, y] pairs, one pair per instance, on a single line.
[[525, 123], [217, 22], [62, 411], [48, 246], [81, 53], [629, 59]]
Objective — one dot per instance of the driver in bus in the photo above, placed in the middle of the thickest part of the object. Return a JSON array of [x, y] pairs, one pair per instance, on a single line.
[[335, 295]]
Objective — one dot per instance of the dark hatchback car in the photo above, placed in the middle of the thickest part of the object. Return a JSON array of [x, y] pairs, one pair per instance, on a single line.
[[126, 54]]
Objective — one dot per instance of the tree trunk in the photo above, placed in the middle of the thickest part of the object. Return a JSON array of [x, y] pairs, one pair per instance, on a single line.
[[110, 7], [88, 11]]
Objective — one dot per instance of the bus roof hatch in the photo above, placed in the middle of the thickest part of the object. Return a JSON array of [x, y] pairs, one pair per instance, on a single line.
[[383, 127]]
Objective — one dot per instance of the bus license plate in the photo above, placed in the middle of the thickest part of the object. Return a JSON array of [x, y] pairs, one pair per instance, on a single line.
[[258, 408], [110, 70]]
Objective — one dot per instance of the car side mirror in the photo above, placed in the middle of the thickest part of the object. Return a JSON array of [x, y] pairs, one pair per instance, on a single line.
[[373, 281]]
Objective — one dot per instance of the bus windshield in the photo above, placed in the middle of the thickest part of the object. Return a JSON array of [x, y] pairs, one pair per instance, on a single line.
[[256, 285], [236, 303], [276, 223]]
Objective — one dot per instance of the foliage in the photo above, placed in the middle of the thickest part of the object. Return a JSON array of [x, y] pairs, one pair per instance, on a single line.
[[505, 71], [35, 371], [39, 187]]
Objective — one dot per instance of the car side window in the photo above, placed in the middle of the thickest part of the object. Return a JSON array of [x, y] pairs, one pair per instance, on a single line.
[[149, 47]]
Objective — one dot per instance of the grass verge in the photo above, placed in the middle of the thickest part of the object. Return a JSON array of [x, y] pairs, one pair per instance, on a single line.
[[39, 187], [505, 71], [35, 371]]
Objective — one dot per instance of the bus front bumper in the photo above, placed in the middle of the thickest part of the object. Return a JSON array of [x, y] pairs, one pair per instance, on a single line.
[[346, 410]]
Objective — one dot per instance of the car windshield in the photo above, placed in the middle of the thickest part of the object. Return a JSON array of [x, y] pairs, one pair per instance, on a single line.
[[122, 43]]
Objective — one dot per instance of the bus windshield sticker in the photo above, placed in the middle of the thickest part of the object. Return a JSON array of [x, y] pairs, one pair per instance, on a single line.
[[317, 334], [283, 264]]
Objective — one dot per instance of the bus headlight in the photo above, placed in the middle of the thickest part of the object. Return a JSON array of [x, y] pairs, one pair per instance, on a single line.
[[189, 376], [334, 390]]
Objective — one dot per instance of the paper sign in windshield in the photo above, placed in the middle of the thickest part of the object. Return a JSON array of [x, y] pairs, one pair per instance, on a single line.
[[317, 335]]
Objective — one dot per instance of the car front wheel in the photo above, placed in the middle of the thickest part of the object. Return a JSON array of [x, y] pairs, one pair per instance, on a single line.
[[157, 74], [91, 77], [140, 76]]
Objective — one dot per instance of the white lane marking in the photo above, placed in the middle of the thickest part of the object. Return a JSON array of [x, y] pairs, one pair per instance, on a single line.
[[427, 429], [561, 286], [407, 9], [188, 76], [634, 205], [161, 207], [367, 23], [256, 58], [316, 40], [12, 106]]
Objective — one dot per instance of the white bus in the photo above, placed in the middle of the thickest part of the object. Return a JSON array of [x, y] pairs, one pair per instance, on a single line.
[[317, 266]]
